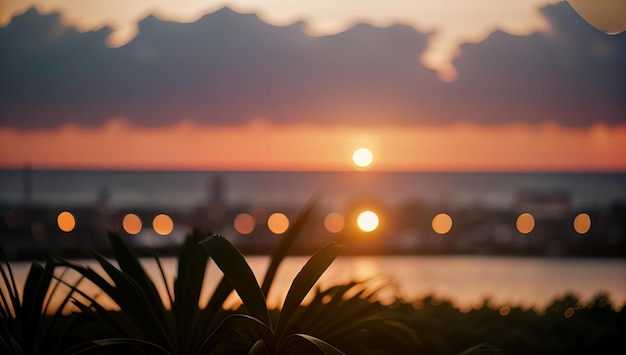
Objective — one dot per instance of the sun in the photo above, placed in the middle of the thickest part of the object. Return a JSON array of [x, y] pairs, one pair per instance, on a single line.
[[362, 157]]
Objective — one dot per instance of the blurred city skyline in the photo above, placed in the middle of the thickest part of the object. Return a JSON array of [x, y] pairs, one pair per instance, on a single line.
[[538, 214]]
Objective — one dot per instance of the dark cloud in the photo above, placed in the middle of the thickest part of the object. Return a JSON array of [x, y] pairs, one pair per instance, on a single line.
[[227, 68], [574, 74]]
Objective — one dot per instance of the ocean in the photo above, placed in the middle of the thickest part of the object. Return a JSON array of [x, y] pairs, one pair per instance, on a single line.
[[186, 189]]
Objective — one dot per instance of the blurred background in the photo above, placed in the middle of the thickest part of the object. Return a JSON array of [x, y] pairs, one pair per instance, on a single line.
[[423, 128]]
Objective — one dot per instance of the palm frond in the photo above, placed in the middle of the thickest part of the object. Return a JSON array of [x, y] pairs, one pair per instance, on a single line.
[[235, 268], [305, 280], [285, 244]]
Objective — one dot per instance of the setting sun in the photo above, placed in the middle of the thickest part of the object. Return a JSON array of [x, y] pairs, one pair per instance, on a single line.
[[362, 157]]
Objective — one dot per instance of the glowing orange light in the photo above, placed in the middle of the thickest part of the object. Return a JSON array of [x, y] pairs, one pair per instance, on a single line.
[[569, 312], [362, 157], [582, 223], [244, 223], [442, 223], [278, 223], [525, 223], [367, 221], [505, 310], [131, 224], [334, 222], [163, 224], [66, 221]]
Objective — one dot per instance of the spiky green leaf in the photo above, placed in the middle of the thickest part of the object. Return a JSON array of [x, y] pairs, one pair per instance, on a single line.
[[305, 280], [234, 266], [192, 264], [285, 243], [130, 265]]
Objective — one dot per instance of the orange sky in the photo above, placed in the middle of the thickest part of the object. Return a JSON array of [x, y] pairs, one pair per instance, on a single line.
[[261, 145]]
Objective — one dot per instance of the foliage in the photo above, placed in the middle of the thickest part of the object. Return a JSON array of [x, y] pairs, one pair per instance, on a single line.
[[144, 320], [566, 326], [271, 339], [31, 325], [350, 317]]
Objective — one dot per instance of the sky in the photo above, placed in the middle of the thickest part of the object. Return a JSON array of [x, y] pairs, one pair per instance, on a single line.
[[524, 85]]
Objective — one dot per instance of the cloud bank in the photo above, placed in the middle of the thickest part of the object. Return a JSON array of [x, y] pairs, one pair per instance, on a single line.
[[451, 21], [227, 69]]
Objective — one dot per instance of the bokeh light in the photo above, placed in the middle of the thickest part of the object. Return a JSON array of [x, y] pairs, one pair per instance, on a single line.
[[278, 223], [582, 223], [334, 222], [367, 221], [244, 223], [132, 224], [163, 224], [569, 312], [525, 223], [442, 223], [66, 221], [362, 157], [504, 310]]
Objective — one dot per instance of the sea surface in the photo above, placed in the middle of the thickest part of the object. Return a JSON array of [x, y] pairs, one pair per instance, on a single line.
[[466, 281], [186, 189]]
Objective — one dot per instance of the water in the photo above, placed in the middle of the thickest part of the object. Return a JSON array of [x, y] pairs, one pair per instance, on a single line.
[[465, 280], [182, 190]]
